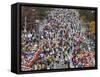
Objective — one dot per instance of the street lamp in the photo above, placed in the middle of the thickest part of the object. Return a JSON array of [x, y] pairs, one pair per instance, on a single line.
[[37, 25], [25, 23]]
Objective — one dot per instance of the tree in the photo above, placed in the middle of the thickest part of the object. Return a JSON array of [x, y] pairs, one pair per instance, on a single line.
[[87, 15], [92, 26]]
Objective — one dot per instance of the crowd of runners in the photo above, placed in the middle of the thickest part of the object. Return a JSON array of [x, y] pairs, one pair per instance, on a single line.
[[59, 41]]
